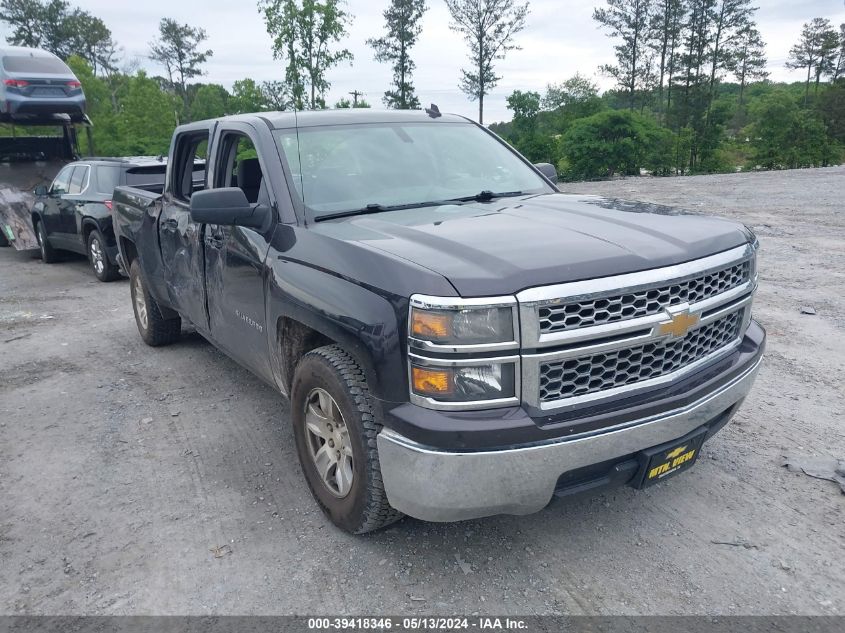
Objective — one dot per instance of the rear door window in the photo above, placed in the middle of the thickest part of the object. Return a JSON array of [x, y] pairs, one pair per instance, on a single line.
[[78, 179], [188, 168]]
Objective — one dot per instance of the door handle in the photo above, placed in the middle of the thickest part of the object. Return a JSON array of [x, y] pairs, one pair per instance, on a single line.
[[170, 224]]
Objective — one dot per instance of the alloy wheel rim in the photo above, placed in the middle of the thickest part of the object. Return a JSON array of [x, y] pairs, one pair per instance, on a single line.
[[97, 256], [140, 303], [328, 442]]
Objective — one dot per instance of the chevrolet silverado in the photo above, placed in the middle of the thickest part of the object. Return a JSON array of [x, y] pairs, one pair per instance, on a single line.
[[457, 337]]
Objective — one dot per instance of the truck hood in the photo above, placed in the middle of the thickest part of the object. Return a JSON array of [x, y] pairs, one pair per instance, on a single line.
[[507, 245]]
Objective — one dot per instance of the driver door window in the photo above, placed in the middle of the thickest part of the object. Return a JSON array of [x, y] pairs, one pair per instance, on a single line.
[[239, 167], [61, 184]]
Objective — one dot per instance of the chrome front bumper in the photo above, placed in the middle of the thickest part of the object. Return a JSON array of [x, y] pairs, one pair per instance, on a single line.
[[451, 486]]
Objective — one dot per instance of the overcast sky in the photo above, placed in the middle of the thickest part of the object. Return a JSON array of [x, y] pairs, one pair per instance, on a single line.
[[561, 39]]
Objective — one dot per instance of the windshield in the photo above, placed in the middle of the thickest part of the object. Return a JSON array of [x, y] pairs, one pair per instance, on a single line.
[[348, 167], [33, 64]]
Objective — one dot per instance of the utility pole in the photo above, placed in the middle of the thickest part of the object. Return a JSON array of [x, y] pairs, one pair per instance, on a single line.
[[355, 94]]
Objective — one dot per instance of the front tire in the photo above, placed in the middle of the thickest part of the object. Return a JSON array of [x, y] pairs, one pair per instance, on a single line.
[[48, 253], [335, 426], [155, 330], [103, 269]]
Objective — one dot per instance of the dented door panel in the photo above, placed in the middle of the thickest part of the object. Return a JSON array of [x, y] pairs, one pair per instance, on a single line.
[[182, 254], [235, 276]]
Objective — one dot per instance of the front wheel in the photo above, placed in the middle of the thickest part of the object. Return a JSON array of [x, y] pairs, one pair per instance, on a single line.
[[335, 427], [153, 327], [103, 269]]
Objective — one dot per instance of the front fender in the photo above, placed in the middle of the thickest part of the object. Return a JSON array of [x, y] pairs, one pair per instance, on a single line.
[[362, 321]]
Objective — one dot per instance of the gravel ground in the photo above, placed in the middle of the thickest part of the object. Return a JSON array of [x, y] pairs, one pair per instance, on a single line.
[[165, 481]]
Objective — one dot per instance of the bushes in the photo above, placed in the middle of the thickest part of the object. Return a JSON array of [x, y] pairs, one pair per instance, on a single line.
[[616, 142], [785, 136]]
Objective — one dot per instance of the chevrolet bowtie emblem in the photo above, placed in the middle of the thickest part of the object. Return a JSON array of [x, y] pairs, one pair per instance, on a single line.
[[679, 324], [673, 454]]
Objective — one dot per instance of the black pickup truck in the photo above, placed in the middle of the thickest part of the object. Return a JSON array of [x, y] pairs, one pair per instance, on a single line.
[[457, 338]]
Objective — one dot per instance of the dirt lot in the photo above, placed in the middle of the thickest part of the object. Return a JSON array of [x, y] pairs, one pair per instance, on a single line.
[[139, 480]]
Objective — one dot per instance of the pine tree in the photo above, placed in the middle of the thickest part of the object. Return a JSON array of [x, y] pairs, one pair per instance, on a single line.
[[666, 29], [629, 20], [488, 27], [812, 50], [177, 49], [839, 71], [402, 19], [748, 63]]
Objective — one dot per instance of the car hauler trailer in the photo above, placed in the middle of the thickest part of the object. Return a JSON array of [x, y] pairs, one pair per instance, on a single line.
[[31, 153]]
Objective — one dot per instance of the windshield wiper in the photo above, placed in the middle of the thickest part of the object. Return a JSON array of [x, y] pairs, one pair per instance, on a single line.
[[376, 207], [487, 196]]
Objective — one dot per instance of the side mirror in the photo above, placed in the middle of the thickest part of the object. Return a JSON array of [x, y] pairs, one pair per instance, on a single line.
[[548, 170], [41, 191], [227, 206]]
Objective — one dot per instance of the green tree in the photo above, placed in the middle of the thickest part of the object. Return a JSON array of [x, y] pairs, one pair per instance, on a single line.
[[402, 22], [147, 117], [524, 134], [613, 142], [748, 63], [247, 96], [488, 28], [177, 49], [304, 34], [831, 109], [628, 21], [730, 18], [100, 108], [577, 89], [344, 103], [814, 51], [276, 94], [665, 27], [210, 102], [55, 27], [839, 69], [784, 136], [525, 105]]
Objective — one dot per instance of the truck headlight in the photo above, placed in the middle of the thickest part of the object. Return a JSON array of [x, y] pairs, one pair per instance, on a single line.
[[473, 383], [447, 322], [463, 353]]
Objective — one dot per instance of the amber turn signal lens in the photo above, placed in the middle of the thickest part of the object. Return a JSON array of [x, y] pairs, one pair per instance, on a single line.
[[432, 382], [431, 325]]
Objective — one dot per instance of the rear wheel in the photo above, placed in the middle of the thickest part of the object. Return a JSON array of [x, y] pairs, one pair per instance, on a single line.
[[48, 254], [335, 426], [153, 327], [103, 269]]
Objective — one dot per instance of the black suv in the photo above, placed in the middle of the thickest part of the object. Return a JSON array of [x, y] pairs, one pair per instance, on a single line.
[[75, 212]]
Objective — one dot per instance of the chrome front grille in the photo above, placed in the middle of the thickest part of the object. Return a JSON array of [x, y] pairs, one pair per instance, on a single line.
[[597, 372], [588, 340], [589, 312]]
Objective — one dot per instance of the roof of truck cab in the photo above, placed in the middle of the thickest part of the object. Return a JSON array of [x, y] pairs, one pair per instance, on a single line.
[[345, 116]]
